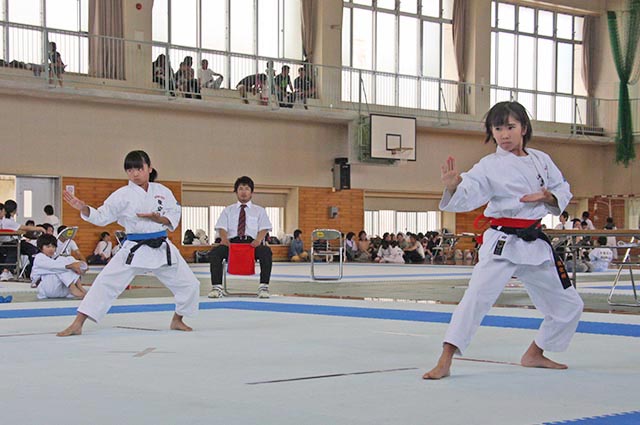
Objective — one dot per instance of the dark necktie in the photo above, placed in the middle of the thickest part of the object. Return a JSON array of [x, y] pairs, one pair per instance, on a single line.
[[242, 221]]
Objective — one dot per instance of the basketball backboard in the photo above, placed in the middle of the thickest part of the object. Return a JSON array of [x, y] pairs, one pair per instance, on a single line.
[[393, 137]]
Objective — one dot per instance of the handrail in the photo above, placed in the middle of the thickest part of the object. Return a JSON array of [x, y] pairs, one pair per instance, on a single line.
[[338, 87]]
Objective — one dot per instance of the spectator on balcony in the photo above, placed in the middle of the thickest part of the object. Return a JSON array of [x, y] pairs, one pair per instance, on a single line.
[[304, 87], [56, 66], [163, 74], [585, 217], [208, 78], [282, 83], [252, 83], [186, 81]]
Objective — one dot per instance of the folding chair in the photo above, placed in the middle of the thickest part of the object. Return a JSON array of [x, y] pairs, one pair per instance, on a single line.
[[630, 264], [327, 243], [241, 262], [24, 259], [68, 234], [14, 243]]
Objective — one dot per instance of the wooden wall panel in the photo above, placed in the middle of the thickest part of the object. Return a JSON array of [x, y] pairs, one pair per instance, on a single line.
[[313, 210]]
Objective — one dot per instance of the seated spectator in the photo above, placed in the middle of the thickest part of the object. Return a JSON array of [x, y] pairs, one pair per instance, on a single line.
[[282, 83], [296, 249], [186, 81], [599, 257], [68, 248], [402, 242], [201, 238], [56, 66], [48, 229], [303, 87], [103, 251], [163, 74], [363, 254], [56, 277], [8, 254], [350, 246], [389, 252], [208, 78], [251, 83], [413, 253]]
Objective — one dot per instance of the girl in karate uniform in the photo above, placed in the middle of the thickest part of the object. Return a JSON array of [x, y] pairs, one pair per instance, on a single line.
[[146, 210], [520, 186]]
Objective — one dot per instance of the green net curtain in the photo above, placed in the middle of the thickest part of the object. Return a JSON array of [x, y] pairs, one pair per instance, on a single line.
[[624, 55]]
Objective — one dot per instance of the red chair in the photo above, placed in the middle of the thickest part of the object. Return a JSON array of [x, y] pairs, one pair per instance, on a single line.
[[241, 262]]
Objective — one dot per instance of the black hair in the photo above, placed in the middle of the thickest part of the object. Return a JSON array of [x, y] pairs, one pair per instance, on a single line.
[[360, 233], [287, 67], [584, 223], [10, 206], [136, 159], [243, 180], [46, 239], [296, 233], [602, 240], [350, 235], [1, 206], [499, 115], [565, 215], [46, 226], [61, 228], [384, 244], [610, 224], [585, 214], [48, 210], [103, 234], [29, 223]]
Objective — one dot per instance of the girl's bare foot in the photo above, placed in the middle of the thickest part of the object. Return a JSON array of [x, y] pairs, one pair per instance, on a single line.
[[443, 368], [534, 357], [76, 327], [71, 330], [178, 325]]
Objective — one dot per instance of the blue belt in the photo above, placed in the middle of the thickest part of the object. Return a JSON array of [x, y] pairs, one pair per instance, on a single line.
[[152, 240], [144, 236]]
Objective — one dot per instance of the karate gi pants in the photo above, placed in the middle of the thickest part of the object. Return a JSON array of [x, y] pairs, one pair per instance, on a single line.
[[56, 285], [117, 275], [561, 307]]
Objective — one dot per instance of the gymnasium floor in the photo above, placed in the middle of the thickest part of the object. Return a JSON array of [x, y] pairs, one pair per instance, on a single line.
[[348, 352]]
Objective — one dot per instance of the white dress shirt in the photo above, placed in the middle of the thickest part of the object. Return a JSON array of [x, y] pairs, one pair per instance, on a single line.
[[256, 220]]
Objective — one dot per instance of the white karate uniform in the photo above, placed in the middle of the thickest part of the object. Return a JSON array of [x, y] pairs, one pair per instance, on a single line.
[[123, 205], [600, 259], [55, 278], [393, 254], [501, 179]]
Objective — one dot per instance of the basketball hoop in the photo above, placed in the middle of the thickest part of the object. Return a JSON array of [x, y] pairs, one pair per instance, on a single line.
[[396, 151]]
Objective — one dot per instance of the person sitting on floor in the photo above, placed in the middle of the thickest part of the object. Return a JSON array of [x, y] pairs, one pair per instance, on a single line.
[[296, 249], [414, 252], [56, 277], [104, 250], [389, 252], [599, 257]]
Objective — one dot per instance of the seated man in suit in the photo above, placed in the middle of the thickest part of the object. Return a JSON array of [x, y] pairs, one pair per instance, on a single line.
[[242, 222]]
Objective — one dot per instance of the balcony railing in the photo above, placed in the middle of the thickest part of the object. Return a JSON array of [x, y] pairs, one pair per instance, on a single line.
[[128, 65]]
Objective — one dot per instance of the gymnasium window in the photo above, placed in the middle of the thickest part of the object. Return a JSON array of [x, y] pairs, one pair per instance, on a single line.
[[536, 57], [402, 51], [205, 218], [380, 221]]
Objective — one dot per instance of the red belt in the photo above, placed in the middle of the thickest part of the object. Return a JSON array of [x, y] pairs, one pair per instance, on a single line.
[[516, 223]]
